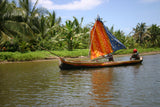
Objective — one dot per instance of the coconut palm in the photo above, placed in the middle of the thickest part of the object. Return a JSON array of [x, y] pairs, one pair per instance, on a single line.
[[154, 32], [9, 15], [4, 33], [139, 32], [30, 17], [53, 24], [30, 11]]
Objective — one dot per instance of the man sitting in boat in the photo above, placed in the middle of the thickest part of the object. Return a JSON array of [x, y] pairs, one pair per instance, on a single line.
[[109, 57], [135, 55]]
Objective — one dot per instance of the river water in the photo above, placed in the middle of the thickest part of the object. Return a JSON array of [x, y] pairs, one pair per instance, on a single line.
[[44, 84]]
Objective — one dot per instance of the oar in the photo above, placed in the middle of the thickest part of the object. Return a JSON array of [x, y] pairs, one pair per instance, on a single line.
[[50, 51]]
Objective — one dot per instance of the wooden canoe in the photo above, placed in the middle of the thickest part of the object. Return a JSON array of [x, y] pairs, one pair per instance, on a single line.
[[65, 65]]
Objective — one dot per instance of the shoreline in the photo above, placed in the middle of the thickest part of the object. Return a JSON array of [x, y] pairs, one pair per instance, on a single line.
[[69, 58]]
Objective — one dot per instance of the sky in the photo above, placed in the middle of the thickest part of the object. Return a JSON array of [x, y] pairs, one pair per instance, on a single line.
[[122, 14]]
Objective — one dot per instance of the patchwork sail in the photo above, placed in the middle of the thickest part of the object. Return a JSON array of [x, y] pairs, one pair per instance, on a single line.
[[102, 41]]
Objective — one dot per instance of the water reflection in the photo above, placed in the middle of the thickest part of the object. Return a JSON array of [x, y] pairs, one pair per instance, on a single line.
[[101, 86], [136, 68]]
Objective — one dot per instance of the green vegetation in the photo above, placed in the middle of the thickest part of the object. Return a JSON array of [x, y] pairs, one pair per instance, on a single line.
[[17, 56], [140, 50], [24, 29], [38, 55], [74, 53]]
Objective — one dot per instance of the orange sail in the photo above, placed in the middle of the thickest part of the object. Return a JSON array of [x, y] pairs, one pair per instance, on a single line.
[[100, 43]]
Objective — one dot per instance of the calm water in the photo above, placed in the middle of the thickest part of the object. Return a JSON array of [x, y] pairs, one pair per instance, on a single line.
[[44, 84]]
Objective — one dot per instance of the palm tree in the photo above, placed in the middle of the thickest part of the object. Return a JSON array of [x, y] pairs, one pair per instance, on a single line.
[[30, 12], [9, 15], [4, 33], [154, 32], [139, 32], [72, 28], [120, 36], [30, 17], [53, 24], [52, 20]]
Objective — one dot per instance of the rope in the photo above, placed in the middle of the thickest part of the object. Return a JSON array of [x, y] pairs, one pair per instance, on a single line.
[[50, 52]]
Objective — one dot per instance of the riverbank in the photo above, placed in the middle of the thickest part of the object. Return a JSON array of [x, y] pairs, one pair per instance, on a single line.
[[51, 57]]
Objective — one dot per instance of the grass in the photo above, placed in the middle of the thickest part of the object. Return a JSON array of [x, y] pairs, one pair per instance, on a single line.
[[74, 53], [17, 56], [140, 50], [37, 55]]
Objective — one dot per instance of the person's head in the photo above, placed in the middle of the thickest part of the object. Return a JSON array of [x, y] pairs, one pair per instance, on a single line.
[[134, 50]]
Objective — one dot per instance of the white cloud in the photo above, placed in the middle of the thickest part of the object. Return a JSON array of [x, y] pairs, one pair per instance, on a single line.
[[149, 1], [74, 5]]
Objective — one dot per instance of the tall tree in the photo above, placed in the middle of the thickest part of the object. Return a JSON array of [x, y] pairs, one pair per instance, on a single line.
[[72, 28], [4, 33], [31, 15], [9, 15], [139, 32], [30, 11], [154, 32], [53, 23]]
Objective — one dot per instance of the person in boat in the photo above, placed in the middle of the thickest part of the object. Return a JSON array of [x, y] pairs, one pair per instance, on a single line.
[[135, 55], [109, 57]]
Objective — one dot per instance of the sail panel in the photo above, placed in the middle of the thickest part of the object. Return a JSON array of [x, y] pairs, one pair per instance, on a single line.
[[116, 44], [100, 42]]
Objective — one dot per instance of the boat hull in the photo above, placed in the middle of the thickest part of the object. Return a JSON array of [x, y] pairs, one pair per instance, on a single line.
[[65, 65]]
